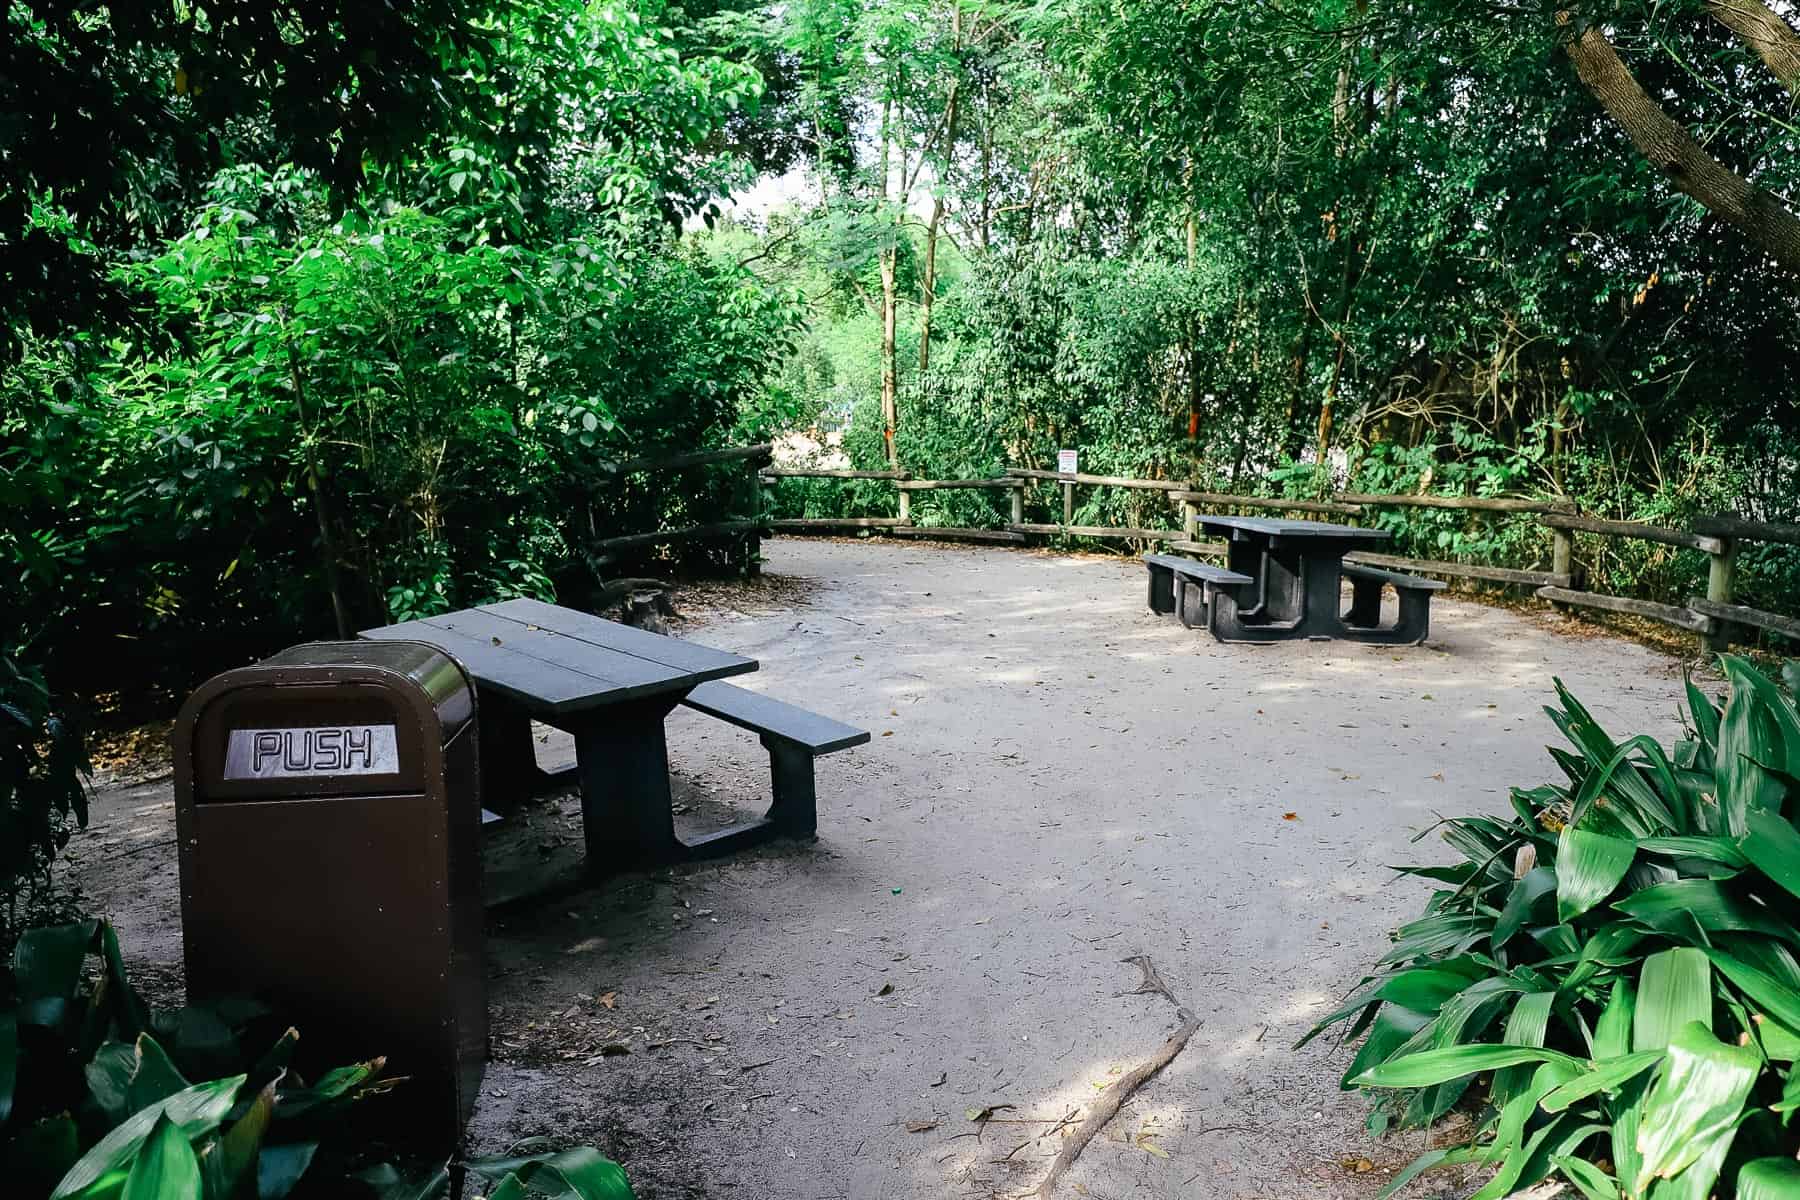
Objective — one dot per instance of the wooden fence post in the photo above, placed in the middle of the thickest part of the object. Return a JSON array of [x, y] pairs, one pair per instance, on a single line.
[[1068, 503], [905, 505], [1018, 503], [1721, 573]]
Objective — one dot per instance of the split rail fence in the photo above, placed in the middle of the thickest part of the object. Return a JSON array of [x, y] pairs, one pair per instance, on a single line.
[[1714, 617]]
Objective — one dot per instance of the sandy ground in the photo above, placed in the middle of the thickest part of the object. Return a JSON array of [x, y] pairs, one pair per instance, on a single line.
[[1058, 781]]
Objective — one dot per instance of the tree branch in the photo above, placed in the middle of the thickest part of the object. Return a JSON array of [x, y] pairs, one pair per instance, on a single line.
[[1761, 29], [1674, 151]]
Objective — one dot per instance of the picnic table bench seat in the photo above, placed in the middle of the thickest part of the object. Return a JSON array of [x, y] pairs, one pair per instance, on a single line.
[[793, 737], [1184, 587], [1413, 592]]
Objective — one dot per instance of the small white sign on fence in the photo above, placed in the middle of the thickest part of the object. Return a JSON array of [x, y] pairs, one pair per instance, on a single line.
[[1065, 462]]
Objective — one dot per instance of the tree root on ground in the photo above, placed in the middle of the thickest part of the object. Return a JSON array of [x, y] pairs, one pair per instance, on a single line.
[[1107, 1106]]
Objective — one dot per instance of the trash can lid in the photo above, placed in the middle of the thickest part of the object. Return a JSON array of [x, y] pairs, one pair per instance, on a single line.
[[434, 672]]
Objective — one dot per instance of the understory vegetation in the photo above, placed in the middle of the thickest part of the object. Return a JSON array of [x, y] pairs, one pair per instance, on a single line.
[[1614, 966], [102, 1097], [1290, 247]]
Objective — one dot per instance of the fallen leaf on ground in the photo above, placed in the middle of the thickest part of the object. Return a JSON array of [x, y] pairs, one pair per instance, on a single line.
[[921, 1126], [887, 989], [1361, 1166], [1292, 816], [614, 1049], [609, 999], [1150, 1147], [983, 1114], [942, 1079]]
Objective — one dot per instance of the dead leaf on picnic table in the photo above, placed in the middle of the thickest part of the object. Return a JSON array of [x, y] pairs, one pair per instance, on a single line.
[[922, 1126]]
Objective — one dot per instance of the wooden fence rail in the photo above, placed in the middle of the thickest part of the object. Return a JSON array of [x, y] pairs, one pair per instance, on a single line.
[[1715, 617]]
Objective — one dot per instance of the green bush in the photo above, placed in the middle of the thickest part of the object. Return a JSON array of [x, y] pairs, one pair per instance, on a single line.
[[97, 1101], [1616, 963], [42, 767]]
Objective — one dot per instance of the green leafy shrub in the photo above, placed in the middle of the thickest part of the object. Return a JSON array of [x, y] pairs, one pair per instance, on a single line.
[[42, 767], [97, 1101], [1616, 962]]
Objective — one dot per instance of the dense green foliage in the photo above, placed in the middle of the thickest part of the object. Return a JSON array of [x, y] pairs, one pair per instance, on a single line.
[[97, 1100], [1616, 960], [41, 794], [324, 411], [1295, 245]]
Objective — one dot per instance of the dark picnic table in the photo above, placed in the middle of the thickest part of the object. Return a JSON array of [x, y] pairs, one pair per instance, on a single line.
[[608, 684], [1297, 569]]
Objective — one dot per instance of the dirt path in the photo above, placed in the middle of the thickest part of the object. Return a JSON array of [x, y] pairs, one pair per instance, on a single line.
[[1058, 781]]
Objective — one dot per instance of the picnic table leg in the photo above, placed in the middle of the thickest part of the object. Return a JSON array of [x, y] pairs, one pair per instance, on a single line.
[[509, 767], [1162, 589], [623, 759], [1322, 578], [1365, 603]]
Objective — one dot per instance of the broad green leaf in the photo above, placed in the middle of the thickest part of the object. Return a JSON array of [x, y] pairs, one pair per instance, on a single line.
[[1588, 867], [1773, 844], [1764, 992], [1589, 1180], [234, 1154], [1627, 1119], [155, 1077], [47, 970], [1755, 733], [165, 1167], [108, 1076], [1705, 714], [1511, 1175], [279, 1168], [1537, 883], [1696, 1182], [195, 1111], [1509, 1132], [1706, 902], [1674, 988], [1612, 1033], [1604, 1076], [1769, 1179], [1393, 1028], [1722, 850], [1423, 989], [1694, 1103], [1439, 1066], [583, 1173]]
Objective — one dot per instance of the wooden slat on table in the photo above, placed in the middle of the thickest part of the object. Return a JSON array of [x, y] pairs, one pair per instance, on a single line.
[[611, 635]]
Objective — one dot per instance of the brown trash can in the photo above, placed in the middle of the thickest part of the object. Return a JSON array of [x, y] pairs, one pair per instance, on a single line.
[[328, 811]]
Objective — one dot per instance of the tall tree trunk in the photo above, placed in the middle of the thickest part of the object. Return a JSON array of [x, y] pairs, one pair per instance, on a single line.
[[987, 173], [1672, 150], [1772, 39], [928, 282], [890, 300], [330, 553]]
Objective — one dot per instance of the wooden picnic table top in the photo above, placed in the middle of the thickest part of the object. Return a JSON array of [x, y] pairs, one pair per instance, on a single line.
[[562, 661], [1278, 530]]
